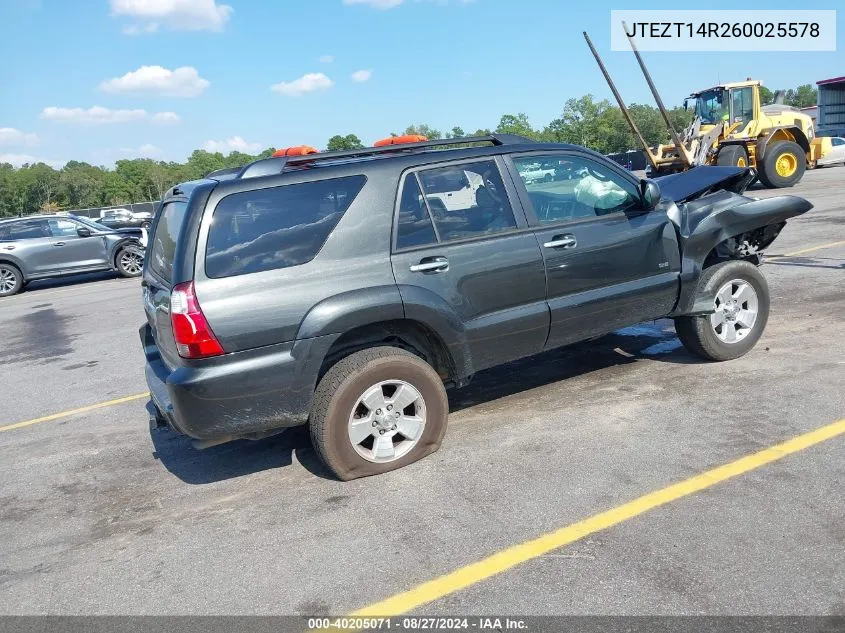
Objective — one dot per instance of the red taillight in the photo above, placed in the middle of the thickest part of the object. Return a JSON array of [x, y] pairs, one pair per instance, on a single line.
[[193, 335]]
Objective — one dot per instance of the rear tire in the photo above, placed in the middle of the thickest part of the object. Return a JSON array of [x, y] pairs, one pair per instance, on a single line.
[[340, 415], [783, 165], [11, 280], [129, 263], [729, 339], [732, 156]]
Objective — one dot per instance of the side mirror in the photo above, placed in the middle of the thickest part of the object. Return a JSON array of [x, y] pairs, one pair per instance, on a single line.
[[650, 192], [83, 231]]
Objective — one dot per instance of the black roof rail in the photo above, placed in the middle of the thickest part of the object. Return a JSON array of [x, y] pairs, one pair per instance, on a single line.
[[276, 165]]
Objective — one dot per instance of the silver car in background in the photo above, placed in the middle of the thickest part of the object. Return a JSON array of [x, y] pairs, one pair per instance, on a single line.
[[42, 246]]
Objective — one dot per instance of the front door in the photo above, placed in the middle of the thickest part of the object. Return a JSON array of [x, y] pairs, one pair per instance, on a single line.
[[72, 251], [473, 258], [609, 263]]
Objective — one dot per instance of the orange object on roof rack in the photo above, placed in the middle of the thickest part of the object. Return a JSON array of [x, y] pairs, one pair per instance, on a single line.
[[297, 150], [401, 140]]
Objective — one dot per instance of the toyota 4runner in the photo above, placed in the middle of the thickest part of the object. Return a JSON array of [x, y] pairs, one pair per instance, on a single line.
[[347, 290]]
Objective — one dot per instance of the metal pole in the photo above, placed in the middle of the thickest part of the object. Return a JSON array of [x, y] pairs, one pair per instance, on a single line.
[[675, 138], [621, 103]]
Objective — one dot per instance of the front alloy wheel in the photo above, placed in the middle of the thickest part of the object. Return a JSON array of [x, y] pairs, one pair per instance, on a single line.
[[130, 263], [736, 311]]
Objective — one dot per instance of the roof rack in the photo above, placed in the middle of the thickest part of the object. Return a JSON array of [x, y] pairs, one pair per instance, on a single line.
[[276, 165]]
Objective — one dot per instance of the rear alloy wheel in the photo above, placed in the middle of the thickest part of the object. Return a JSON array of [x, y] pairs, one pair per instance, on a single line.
[[377, 410], [11, 280], [783, 165], [129, 262], [740, 312], [732, 156]]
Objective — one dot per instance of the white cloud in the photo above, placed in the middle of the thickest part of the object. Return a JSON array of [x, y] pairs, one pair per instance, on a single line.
[[17, 160], [233, 144], [362, 75], [145, 151], [310, 82], [99, 115], [160, 81], [326, 59], [178, 15], [11, 136], [166, 118]]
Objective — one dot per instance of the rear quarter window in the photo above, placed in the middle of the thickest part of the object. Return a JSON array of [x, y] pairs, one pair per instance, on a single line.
[[277, 227]]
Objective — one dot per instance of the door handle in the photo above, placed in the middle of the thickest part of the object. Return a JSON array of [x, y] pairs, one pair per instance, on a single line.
[[59, 244], [562, 241], [431, 265]]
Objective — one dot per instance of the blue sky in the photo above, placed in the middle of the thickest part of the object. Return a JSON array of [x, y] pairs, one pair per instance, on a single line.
[[441, 62]]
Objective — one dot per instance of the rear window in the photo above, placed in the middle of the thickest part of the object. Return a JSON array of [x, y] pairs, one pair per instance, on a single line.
[[276, 228], [166, 236], [25, 230]]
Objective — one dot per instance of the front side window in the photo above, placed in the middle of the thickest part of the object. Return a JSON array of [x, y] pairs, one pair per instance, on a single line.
[[567, 187], [414, 227], [467, 200], [63, 228], [278, 227]]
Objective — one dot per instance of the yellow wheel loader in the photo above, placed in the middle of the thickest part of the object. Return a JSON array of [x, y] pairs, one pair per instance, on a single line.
[[730, 127]]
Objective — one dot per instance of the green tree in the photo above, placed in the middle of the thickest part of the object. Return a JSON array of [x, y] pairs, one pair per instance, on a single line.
[[767, 97], [348, 142], [425, 130], [516, 124], [802, 97]]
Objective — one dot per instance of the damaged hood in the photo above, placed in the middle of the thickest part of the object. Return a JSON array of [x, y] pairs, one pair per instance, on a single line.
[[699, 181]]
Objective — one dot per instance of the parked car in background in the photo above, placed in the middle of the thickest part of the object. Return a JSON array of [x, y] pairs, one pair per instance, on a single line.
[[836, 155], [124, 219], [339, 290], [38, 247]]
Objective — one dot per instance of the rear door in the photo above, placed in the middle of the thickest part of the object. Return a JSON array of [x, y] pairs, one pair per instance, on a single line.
[[158, 275], [609, 263], [476, 260], [72, 251], [31, 242]]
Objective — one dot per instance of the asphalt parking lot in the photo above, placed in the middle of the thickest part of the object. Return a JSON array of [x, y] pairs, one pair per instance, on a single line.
[[99, 515]]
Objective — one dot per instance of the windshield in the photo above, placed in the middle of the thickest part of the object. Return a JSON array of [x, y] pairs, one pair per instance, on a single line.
[[91, 224], [710, 106]]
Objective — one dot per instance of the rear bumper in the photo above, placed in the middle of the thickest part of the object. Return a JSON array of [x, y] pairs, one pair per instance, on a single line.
[[238, 394]]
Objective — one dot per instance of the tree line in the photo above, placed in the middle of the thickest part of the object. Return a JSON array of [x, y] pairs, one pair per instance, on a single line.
[[596, 124]]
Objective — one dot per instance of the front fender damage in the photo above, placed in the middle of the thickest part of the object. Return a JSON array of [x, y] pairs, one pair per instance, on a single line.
[[726, 225]]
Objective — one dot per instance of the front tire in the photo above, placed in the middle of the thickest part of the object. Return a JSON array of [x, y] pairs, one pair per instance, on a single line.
[[11, 280], [129, 262], [377, 410], [732, 156], [783, 165], [741, 312]]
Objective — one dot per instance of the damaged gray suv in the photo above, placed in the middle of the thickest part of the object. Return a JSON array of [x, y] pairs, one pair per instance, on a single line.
[[348, 290]]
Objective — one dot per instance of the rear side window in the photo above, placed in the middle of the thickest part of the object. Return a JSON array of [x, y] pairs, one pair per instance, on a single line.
[[166, 237], [278, 227], [25, 230]]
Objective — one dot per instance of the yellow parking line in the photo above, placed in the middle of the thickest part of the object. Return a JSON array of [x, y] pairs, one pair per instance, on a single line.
[[511, 557], [66, 414], [809, 250]]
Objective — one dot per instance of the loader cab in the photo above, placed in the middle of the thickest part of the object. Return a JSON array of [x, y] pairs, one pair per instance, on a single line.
[[736, 105]]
